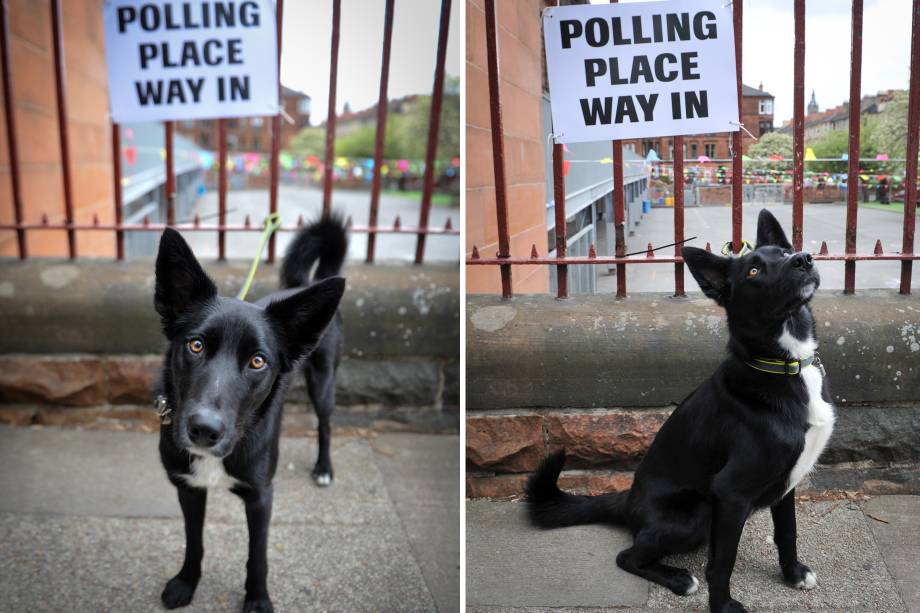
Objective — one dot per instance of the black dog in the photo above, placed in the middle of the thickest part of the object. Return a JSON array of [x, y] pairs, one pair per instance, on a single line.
[[226, 371], [742, 441]]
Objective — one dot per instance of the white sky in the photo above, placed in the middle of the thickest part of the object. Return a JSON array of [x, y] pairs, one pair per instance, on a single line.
[[768, 40], [307, 32]]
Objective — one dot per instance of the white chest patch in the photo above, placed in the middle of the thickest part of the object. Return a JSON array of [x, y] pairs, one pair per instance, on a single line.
[[207, 472], [820, 413]]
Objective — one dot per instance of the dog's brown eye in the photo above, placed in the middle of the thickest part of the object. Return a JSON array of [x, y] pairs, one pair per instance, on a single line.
[[257, 362], [752, 271], [195, 345]]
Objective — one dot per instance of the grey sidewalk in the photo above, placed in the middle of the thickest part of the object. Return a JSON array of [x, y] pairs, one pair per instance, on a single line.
[[88, 522], [862, 564]]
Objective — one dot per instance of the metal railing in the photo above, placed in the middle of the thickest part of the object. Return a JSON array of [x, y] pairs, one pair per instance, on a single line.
[[221, 228], [505, 260]]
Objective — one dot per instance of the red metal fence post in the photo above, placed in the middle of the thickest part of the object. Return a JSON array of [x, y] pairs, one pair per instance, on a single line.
[[619, 215], [330, 117], [61, 96], [10, 114], [498, 147], [222, 189], [276, 135], [849, 266], [737, 145], [434, 126], [678, 213], [169, 128], [798, 126], [116, 191], [913, 143], [380, 135], [562, 270]]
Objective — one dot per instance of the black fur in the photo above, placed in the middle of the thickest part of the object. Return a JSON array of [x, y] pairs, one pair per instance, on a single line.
[[227, 368], [728, 448]]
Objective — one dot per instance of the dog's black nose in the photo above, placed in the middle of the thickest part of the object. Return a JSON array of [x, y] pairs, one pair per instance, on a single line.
[[205, 428], [802, 260]]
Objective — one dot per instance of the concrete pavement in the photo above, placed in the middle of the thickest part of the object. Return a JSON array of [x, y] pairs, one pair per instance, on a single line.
[[863, 563], [88, 522], [713, 224], [307, 201]]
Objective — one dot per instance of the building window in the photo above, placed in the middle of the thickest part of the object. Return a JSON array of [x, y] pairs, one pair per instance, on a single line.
[[256, 144], [766, 106], [232, 123], [304, 106], [630, 147], [693, 151], [710, 150], [647, 145], [256, 122], [766, 126]]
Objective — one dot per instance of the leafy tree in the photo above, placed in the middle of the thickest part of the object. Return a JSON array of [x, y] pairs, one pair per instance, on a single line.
[[414, 132], [309, 141], [772, 143], [837, 143], [889, 134]]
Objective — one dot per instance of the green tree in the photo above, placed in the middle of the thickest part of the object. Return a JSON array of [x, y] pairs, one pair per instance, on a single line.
[[772, 143], [414, 132], [837, 143], [309, 141], [889, 134], [359, 143]]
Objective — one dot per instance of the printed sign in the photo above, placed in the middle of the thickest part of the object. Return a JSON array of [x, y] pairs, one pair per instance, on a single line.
[[620, 71], [173, 59]]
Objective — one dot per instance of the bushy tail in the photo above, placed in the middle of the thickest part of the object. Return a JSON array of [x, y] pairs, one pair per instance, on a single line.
[[550, 507], [324, 240]]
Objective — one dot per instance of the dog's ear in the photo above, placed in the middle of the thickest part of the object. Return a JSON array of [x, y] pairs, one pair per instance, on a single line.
[[769, 232], [709, 270], [303, 317], [181, 283]]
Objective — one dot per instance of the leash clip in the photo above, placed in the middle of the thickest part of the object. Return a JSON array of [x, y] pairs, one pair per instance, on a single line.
[[817, 362], [163, 410]]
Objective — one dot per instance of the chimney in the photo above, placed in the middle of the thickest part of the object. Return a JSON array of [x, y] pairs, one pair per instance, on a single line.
[[761, 86]]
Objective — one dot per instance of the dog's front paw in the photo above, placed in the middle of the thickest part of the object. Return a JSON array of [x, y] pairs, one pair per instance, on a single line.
[[800, 576], [732, 606], [178, 592], [322, 475], [258, 605]]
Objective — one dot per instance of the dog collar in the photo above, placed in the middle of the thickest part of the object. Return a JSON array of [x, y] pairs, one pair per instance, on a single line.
[[785, 367], [163, 410]]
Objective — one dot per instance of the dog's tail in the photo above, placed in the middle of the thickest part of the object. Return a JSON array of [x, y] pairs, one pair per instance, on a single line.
[[550, 507], [325, 241]]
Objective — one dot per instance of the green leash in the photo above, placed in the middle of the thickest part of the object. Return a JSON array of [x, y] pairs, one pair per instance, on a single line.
[[272, 223]]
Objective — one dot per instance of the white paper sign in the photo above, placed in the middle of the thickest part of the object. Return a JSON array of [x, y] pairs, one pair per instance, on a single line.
[[175, 59], [619, 71]]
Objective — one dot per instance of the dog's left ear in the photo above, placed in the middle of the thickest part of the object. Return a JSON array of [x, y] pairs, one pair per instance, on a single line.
[[769, 232], [181, 282], [303, 317]]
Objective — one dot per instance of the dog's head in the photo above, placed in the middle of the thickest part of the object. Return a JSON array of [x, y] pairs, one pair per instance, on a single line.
[[769, 283], [225, 355]]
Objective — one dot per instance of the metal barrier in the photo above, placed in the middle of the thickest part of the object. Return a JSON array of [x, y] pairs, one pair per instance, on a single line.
[[504, 260], [421, 230]]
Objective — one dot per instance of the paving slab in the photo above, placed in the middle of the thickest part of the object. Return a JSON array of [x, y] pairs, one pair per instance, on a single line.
[[512, 567], [895, 523], [89, 522], [512, 564], [421, 476]]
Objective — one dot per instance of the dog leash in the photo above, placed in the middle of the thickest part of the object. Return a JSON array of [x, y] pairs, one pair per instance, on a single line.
[[272, 223]]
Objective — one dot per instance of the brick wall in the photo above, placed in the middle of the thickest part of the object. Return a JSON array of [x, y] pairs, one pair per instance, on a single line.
[[32, 58], [520, 51]]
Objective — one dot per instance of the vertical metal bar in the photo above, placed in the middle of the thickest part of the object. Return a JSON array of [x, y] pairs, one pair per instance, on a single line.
[[678, 212], [737, 170], [619, 211], [798, 126], [116, 191], [10, 113], [169, 128], [434, 126], [222, 189], [913, 144], [61, 95], [276, 135], [562, 270], [330, 117], [498, 147], [381, 128], [619, 215], [849, 267]]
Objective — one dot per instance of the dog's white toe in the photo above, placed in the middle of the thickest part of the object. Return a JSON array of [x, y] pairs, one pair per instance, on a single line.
[[323, 480], [809, 582], [693, 588]]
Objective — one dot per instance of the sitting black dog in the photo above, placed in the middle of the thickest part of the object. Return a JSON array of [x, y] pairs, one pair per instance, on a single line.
[[227, 368], [741, 442]]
